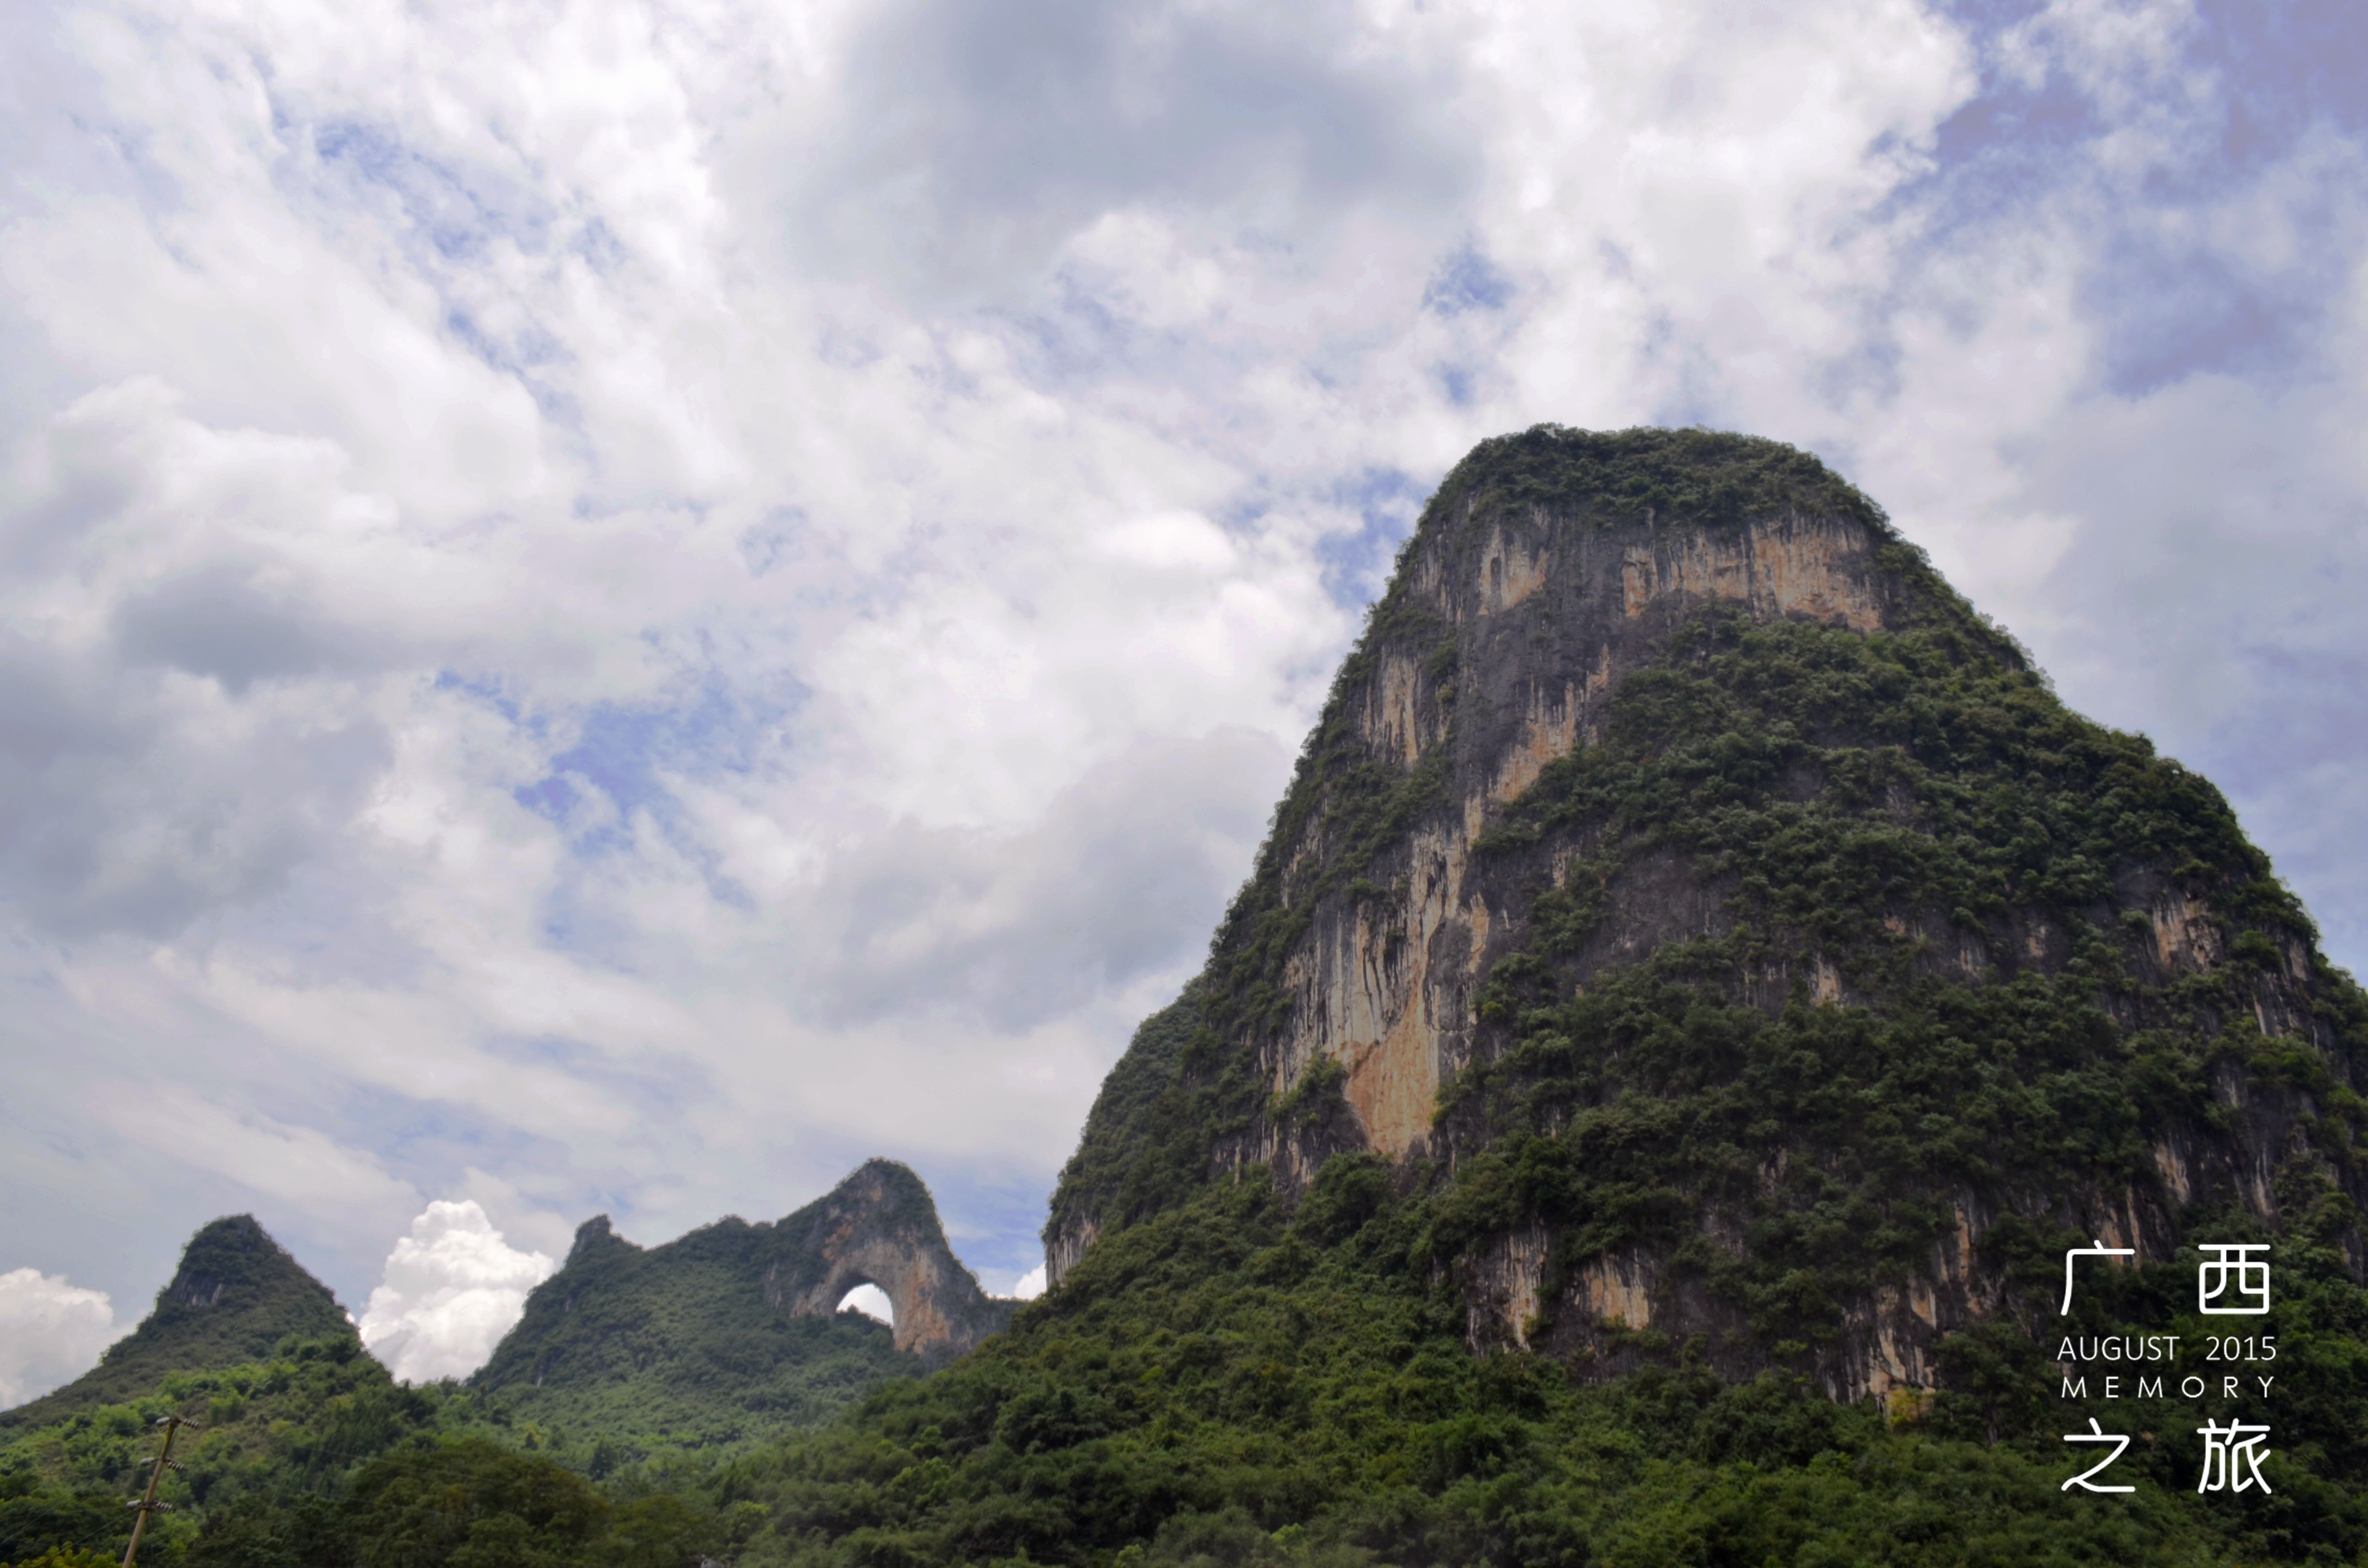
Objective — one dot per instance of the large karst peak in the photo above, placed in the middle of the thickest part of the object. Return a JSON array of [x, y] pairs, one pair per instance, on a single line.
[[1738, 937]]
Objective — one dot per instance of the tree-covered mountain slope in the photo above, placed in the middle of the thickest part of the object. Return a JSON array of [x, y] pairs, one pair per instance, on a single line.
[[1741, 940], [586, 1439], [733, 1331], [237, 1294], [1244, 1381], [314, 1458]]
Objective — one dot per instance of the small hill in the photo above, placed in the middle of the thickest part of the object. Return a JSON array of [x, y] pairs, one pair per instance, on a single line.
[[237, 1295], [731, 1330], [316, 1457]]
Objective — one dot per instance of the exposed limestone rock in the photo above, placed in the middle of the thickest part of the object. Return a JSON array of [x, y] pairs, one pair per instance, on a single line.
[[1547, 618], [2184, 937], [1508, 1286], [1790, 566], [879, 1227]]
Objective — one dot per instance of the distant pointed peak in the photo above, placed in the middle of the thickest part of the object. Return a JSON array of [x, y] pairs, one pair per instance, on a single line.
[[229, 1257], [235, 1296]]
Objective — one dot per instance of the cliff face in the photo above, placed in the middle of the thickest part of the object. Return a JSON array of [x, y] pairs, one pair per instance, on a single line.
[[1540, 620], [237, 1294], [1681, 873]]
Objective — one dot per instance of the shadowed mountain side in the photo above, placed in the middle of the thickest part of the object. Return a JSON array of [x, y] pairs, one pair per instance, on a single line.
[[237, 1295]]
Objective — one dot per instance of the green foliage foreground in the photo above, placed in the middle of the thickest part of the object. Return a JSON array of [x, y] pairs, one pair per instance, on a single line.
[[316, 1458], [1230, 1385], [1226, 1384]]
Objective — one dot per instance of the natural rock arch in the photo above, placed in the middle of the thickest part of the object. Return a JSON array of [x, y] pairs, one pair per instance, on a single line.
[[879, 1227]]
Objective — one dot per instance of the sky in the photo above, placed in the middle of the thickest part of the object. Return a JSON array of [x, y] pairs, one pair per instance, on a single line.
[[611, 605]]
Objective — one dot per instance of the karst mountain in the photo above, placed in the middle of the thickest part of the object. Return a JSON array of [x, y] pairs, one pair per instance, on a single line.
[[1732, 930], [735, 1329]]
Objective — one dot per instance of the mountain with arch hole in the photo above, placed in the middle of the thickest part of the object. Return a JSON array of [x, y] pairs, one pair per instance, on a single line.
[[737, 1328]]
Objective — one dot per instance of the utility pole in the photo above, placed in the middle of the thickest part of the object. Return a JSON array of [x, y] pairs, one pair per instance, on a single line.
[[148, 1505]]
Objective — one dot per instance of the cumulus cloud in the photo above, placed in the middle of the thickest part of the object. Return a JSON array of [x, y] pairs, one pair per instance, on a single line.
[[50, 1333], [452, 1288], [622, 608], [1030, 1285]]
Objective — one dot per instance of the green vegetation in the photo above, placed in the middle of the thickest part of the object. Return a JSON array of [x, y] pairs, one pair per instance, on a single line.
[[316, 1457], [1707, 478], [1930, 978], [235, 1296], [291, 1425], [673, 1350], [1887, 805], [713, 1393], [634, 1373], [1232, 1383]]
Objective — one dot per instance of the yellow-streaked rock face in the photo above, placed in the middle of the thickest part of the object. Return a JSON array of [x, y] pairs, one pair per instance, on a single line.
[[1775, 566], [1390, 721], [2184, 937], [1511, 568], [1549, 615]]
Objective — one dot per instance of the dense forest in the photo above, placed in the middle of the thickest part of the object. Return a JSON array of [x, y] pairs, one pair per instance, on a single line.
[[1233, 1382]]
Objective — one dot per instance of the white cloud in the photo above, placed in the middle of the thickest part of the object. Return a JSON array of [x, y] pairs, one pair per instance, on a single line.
[[452, 1288], [50, 1333], [1030, 1285]]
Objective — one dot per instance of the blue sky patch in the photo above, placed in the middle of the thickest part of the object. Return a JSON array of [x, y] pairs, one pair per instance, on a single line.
[[1469, 281]]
